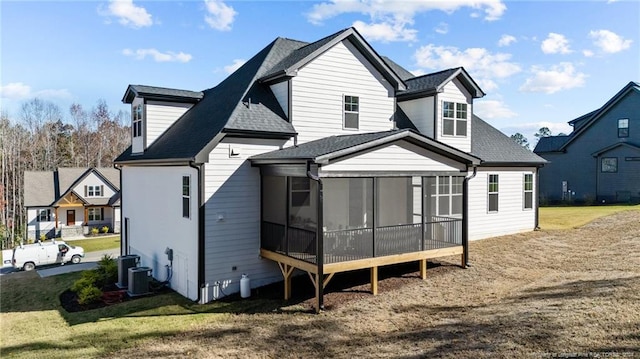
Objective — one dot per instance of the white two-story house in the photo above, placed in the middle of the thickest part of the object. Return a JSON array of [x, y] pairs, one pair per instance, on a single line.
[[322, 157]]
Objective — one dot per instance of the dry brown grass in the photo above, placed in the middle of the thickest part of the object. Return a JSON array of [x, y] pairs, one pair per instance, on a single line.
[[570, 293]]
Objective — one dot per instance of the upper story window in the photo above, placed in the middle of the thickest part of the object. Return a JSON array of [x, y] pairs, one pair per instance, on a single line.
[[93, 191], [454, 118], [623, 127], [351, 112], [136, 124]]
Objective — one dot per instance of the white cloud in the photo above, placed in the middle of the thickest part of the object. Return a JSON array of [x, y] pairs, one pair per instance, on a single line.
[[490, 109], [442, 28], [158, 56], [587, 53], [483, 65], [557, 78], [15, 91], [21, 91], [555, 44], [398, 15], [237, 63], [609, 42], [128, 14], [385, 32], [529, 129], [220, 15], [506, 40]]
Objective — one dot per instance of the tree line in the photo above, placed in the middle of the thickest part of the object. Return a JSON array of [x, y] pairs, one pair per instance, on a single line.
[[41, 137], [524, 142]]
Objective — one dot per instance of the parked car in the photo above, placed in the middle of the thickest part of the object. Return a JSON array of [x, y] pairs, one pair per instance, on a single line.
[[29, 256]]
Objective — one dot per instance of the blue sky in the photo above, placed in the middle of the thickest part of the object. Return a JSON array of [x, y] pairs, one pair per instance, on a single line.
[[541, 63]]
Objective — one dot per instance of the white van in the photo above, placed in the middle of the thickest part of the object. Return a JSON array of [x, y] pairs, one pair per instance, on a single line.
[[29, 256]]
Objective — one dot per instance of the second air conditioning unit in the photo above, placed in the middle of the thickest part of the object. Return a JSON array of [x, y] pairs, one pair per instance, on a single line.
[[139, 278]]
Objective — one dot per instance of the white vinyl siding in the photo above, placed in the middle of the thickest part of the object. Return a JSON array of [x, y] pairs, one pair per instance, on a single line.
[[420, 111], [281, 92], [152, 197], [455, 92], [232, 217], [318, 89], [510, 218], [93, 180], [161, 115], [399, 156]]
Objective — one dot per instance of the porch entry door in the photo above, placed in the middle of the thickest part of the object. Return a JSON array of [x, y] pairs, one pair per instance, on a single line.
[[71, 217]]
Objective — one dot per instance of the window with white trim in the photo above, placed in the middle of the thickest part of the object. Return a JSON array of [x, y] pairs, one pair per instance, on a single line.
[[351, 112], [93, 191], [95, 214], [528, 191], [446, 195], [44, 215], [186, 197], [493, 193], [136, 125], [454, 119], [623, 127]]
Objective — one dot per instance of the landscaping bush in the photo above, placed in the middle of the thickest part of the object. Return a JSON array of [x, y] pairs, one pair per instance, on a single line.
[[95, 231], [104, 229], [107, 270], [89, 295]]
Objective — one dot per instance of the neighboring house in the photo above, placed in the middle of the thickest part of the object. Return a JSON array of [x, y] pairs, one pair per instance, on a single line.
[[600, 160], [68, 202], [320, 156]]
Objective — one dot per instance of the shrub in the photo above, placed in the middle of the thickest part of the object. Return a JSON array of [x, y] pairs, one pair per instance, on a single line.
[[107, 270], [43, 237], [89, 294], [105, 229], [95, 230]]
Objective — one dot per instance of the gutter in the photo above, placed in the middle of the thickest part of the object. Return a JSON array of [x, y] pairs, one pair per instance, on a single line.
[[199, 168], [465, 219], [319, 241]]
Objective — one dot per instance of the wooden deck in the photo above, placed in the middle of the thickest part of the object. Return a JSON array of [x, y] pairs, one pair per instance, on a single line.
[[288, 263]]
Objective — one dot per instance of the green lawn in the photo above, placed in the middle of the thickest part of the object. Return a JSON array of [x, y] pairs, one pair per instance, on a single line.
[[573, 217], [97, 243]]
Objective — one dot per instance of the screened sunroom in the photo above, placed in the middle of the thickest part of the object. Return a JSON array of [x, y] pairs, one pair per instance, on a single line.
[[354, 202]]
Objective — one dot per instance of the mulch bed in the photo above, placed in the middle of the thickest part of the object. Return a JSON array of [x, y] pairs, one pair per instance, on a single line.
[[111, 295]]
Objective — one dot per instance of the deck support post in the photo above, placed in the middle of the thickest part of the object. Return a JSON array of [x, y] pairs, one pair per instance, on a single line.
[[374, 280], [423, 269], [287, 271]]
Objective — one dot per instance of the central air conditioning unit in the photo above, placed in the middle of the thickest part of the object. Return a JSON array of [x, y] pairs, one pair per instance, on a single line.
[[124, 263], [139, 278]]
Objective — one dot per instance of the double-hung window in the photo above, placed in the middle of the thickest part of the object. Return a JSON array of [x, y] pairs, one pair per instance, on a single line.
[[446, 195], [93, 191], [493, 193], [454, 119], [623, 127], [186, 196], [44, 215], [528, 191], [136, 125], [300, 192], [351, 112], [95, 214]]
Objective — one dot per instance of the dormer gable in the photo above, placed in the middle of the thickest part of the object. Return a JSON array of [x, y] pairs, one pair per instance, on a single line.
[[440, 105], [153, 110]]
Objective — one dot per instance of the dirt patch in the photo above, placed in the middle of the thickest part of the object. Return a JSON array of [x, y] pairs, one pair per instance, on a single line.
[[543, 294]]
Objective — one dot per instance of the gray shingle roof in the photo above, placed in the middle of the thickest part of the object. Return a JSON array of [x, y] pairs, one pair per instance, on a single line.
[[43, 188], [338, 146], [160, 93], [399, 70], [494, 147], [550, 144]]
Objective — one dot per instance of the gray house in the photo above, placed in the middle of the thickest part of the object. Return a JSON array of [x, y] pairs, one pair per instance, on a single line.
[[600, 160]]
